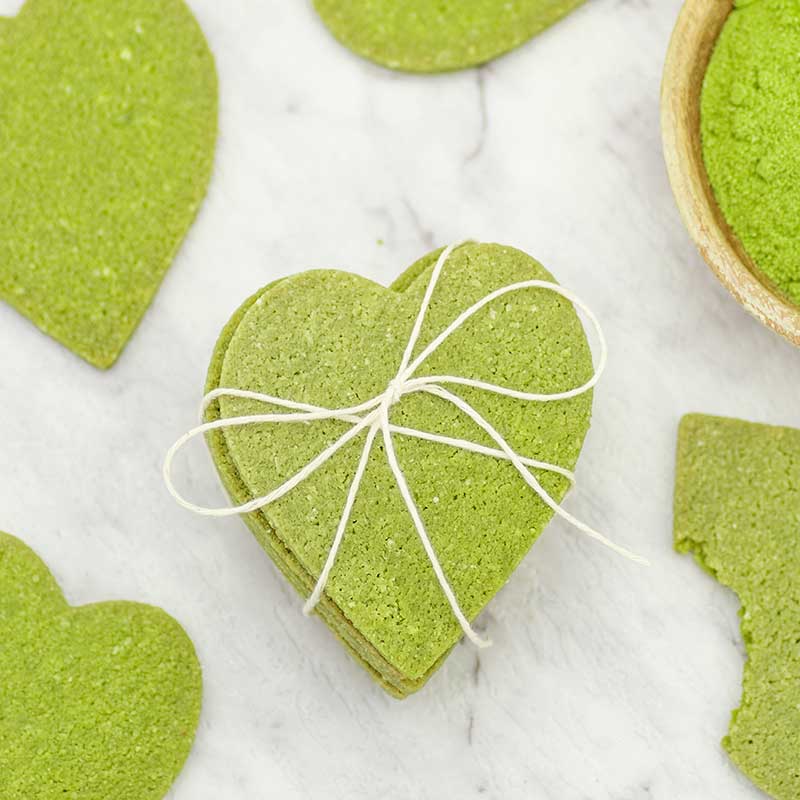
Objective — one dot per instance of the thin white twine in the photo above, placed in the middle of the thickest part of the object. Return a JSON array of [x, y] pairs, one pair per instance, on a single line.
[[372, 416]]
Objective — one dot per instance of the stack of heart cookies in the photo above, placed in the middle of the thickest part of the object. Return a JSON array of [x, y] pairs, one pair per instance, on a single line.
[[333, 339]]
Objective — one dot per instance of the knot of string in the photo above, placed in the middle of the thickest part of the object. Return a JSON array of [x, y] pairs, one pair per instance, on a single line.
[[394, 392], [372, 418]]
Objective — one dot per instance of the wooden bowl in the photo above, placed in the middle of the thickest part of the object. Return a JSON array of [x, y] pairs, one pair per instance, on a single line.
[[699, 25]]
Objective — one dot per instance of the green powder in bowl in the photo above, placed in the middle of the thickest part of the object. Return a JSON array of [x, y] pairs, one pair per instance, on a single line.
[[750, 124]]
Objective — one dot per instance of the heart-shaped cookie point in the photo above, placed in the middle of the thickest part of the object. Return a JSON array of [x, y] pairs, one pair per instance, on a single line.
[[108, 119], [374, 439], [421, 36], [96, 702]]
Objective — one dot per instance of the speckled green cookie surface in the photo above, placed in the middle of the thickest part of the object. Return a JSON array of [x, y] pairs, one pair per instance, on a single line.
[[750, 108], [333, 339], [426, 36], [737, 508], [96, 702], [108, 119]]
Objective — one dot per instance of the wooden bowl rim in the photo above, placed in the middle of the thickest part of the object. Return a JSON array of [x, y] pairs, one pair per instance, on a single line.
[[718, 245]]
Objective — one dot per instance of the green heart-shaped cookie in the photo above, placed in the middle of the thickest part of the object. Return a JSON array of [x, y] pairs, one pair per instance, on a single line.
[[334, 339], [737, 508], [108, 119], [425, 36], [96, 702]]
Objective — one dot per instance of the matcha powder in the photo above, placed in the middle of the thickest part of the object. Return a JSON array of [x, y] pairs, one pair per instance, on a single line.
[[751, 134]]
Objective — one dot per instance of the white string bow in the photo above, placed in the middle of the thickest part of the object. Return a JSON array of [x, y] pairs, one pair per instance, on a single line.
[[372, 416]]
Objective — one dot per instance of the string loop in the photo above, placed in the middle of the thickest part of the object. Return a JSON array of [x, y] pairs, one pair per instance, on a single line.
[[372, 418]]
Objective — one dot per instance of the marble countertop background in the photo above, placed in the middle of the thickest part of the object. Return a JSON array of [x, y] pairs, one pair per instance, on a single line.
[[607, 681]]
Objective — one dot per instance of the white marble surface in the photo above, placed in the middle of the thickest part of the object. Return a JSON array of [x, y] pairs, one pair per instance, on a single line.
[[607, 681]]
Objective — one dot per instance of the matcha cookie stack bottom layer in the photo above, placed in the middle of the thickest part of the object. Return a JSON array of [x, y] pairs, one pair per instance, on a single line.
[[749, 110], [423, 36], [96, 702], [108, 123], [737, 509], [334, 339]]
